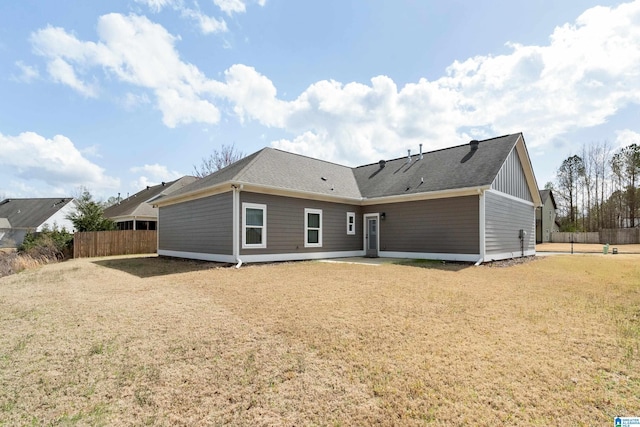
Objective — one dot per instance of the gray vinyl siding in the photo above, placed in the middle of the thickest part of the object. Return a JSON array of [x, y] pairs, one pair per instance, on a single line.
[[285, 225], [202, 225], [504, 218], [545, 220], [511, 178], [448, 226]]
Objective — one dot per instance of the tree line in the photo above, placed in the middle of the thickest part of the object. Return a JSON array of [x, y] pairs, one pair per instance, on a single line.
[[598, 188]]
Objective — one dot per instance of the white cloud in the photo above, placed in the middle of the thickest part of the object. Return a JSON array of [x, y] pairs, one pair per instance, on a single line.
[[62, 72], [92, 151], [586, 73], [231, 6], [56, 162], [207, 24], [153, 175], [158, 5], [135, 51], [584, 76], [28, 73], [131, 100], [253, 95], [626, 137]]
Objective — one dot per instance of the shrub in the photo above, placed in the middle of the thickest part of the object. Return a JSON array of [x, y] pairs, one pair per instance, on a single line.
[[48, 245]]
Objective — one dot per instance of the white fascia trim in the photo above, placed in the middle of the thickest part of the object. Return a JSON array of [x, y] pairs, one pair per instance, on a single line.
[[470, 191], [510, 197], [525, 161], [425, 255], [508, 255], [307, 195], [299, 256], [298, 194], [197, 194], [133, 218], [197, 255]]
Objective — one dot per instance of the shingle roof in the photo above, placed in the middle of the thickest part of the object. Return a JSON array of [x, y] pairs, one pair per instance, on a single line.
[[446, 169], [280, 169], [12, 238], [544, 195], [137, 204], [440, 170], [31, 213], [223, 175], [288, 171]]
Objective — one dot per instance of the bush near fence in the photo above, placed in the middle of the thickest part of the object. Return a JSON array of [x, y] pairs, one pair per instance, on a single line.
[[117, 242], [614, 236]]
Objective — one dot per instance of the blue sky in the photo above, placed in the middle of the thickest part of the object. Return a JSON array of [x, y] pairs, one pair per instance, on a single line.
[[117, 95]]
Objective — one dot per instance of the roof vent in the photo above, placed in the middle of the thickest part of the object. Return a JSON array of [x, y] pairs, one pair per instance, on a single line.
[[408, 156], [420, 151], [164, 183], [382, 163], [474, 144]]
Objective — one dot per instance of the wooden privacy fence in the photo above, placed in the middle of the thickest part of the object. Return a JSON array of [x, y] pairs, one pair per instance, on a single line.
[[613, 236], [562, 237], [118, 242], [620, 236]]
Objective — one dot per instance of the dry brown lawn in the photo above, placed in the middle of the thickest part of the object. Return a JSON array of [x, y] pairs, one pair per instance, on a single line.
[[150, 341], [586, 248]]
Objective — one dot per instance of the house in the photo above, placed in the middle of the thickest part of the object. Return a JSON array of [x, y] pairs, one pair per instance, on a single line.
[[137, 212], [19, 216], [474, 202], [546, 217]]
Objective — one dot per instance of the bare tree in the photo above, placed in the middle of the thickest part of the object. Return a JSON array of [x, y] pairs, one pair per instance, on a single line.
[[599, 155], [227, 155], [586, 175]]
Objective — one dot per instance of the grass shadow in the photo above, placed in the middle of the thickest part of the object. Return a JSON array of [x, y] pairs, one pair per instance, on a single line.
[[435, 264], [146, 266]]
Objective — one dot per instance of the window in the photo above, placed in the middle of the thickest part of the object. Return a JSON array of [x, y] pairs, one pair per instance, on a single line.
[[254, 225], [313, 228], [351, 223]]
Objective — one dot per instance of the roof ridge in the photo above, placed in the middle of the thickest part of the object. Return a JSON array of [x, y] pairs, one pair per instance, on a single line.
[[437, 150], [244, 168]]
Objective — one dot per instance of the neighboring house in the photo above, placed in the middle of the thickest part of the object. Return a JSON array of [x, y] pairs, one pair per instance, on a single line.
[[19, 216], [474, 202], [546, 217], [137, 212]]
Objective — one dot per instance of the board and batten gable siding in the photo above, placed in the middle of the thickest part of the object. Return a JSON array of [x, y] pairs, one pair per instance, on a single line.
[[511, 178], [504, 218], [285, 225], [449, 225], [198, 226]]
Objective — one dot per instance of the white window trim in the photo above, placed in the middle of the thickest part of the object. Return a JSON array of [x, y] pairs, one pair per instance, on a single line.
[[351, 216], [246, 245], [308, 211]]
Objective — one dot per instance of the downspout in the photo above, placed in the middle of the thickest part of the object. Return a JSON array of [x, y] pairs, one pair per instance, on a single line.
[[236, 225], [482, 230]]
